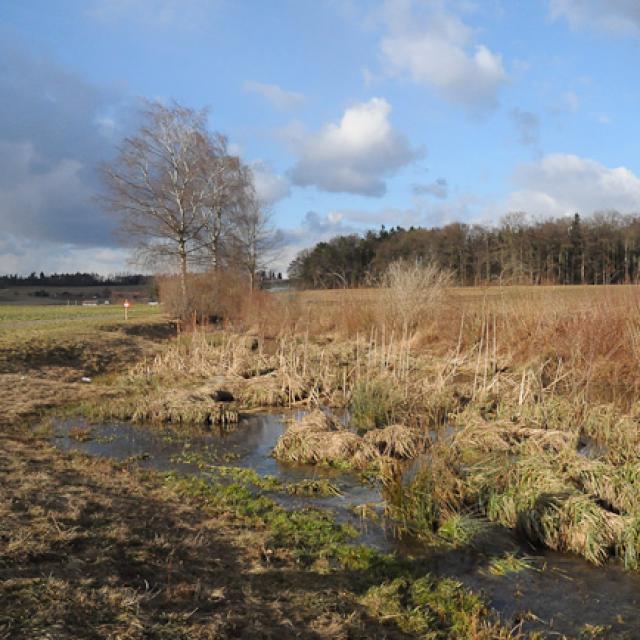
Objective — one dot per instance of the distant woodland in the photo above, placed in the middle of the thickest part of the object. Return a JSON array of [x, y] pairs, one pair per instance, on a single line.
[[72, 280], [603, 248]]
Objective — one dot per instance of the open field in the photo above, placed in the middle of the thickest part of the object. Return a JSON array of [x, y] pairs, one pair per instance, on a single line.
[[59, 295], [45, 351], [565, 295], [522, 405]]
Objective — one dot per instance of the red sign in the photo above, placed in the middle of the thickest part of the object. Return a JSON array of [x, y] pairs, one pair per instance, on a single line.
[[126, 304]]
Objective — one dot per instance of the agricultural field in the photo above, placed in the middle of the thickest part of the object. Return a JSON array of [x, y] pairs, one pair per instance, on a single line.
[[59, 295], [417, 461]]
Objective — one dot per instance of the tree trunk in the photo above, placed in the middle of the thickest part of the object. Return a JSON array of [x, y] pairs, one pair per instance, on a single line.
[[183, 275]]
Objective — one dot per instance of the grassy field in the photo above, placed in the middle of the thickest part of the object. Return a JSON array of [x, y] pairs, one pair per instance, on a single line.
[[45, 351], [523, 399], [48, 295], [18, 316]]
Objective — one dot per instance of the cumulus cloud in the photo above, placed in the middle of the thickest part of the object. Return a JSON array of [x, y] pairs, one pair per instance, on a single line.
[[277, 96], [563, 183], [435, 48], [527, 125], [353, 155], [613, 16], [270, 186], [438, 189], [54, 129]]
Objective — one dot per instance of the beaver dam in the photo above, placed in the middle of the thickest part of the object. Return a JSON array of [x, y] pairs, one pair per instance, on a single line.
[[539, 589]]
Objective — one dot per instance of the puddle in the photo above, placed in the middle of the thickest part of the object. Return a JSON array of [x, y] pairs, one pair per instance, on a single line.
[[247, 445], [558, 594]]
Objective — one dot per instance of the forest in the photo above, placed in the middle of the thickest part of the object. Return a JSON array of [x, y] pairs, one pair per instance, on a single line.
[[77, 279], [603, 248]]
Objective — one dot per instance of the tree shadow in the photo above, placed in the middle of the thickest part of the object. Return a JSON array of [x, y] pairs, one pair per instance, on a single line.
[[90, 553]]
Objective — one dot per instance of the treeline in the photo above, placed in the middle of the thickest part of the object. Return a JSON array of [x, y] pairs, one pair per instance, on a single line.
[[603, 248], [72, 280]]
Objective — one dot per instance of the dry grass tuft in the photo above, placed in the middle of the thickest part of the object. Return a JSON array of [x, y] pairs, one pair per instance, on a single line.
[[396, 441], [317, 439]]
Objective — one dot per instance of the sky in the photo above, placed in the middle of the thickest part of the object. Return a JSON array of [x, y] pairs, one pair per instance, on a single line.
[[351, 113]]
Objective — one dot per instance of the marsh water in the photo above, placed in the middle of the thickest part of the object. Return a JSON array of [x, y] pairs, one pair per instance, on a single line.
[[558, 594]]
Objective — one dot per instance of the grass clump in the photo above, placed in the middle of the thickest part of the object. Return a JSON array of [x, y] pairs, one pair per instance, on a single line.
[[433, 609], [528, 476], [373, 403], [317, 439], [395, 441], [461, 530], [320, 439], [509, 563]]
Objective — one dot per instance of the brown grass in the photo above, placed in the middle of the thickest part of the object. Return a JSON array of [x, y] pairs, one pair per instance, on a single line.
[[318, 438]]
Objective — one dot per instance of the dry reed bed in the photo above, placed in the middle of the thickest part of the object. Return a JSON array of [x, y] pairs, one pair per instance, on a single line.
[[377, 374]]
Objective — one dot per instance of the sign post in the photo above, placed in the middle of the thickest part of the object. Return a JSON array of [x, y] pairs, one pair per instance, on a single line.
[[126, 306]]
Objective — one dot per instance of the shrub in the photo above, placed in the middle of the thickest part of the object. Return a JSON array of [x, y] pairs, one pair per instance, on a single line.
[[411, 293]]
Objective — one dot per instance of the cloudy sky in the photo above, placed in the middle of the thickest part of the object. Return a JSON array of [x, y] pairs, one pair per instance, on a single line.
[[353, 113]]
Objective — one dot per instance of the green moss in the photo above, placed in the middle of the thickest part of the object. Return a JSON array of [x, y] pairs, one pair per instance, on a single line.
[[308, 533]]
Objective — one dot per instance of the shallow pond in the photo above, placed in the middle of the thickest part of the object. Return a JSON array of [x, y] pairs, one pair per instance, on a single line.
[[557, 594]]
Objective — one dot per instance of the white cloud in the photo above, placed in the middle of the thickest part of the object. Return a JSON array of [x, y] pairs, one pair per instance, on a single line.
[[602, 118], [55, 130], [563, 183], [353, 155], [435, 48], [388, 216], [269, 186], [277, 96], [312, 229], [613, 16], [316, 227]]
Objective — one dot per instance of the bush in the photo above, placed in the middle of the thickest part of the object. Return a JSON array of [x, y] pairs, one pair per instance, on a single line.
[[211, 296], [225, 296], [411, 292]]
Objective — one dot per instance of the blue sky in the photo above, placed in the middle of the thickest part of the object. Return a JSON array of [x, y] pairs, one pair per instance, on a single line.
[[352, 113]]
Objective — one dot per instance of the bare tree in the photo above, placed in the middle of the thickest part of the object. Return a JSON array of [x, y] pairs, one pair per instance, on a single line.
[[254, 239], [160, 184], [229, 183]]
